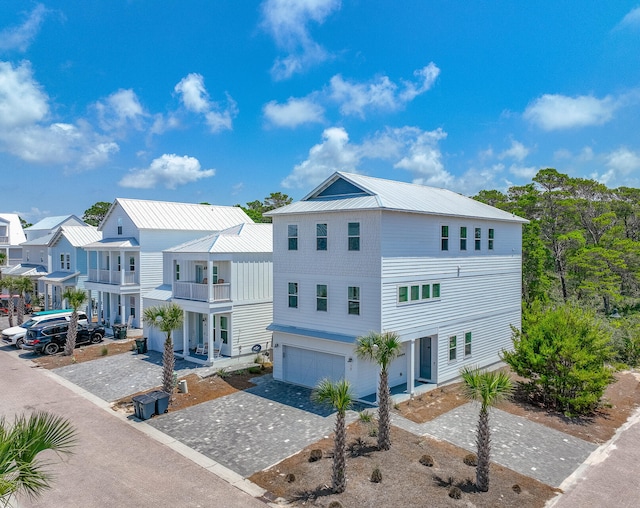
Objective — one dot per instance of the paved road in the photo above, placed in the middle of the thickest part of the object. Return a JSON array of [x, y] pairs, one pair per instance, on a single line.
[[115, 464]]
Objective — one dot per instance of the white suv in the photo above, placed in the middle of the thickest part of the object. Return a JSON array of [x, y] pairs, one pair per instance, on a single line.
[[15, 335]]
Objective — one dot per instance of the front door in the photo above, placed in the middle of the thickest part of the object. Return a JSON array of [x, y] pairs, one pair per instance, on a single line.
[[425, 358]]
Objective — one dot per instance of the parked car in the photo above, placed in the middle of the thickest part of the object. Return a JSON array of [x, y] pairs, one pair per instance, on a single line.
[[15, 335], [50, 338], [4, 305]]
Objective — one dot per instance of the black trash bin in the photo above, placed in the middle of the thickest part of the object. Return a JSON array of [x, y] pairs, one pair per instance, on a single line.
[[162, 401], [141, 345], [119, 332], [144, 406]]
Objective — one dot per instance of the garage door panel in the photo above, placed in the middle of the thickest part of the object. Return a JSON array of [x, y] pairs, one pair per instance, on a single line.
[[307, 367]]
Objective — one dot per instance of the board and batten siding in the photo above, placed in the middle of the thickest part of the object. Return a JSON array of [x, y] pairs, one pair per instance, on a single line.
[[155, 337], [249, 327], [252, 278]]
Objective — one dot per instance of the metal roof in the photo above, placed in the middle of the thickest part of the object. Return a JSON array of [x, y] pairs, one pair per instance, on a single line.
[[78, 236], [161, 293], [379, 194], [59, 276], [179, 216], [240, 238], [316, 334], [52, 222], [27, 270], [41, 240], [16, 233], [113, 243]]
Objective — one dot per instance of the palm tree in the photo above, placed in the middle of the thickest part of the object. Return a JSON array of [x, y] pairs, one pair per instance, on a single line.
[[75, 298], [165, 318], [3, 260], [338, 395], [24, 285], [10, 284], [20, 471], [488, 388], [382, 349]]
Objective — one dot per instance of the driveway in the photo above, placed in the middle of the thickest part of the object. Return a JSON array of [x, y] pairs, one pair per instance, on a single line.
[[254, 429]]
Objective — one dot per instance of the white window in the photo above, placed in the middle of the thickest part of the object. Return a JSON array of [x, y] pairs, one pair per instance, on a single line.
[[403, 294], [490, 241], [27, 255], [444, 237], [321, 297], [177, 271], [132, 264], [353, 296], [224, 329], [478, 238], [132, 306], [61, 261], [321, 237], [354, 235], [426, 291], [119, 225], [119, 263], [293, 295], [68, 257], [467, 344], [463, 238], [292, 233], [453, 348], [435, 290], [42, 256]]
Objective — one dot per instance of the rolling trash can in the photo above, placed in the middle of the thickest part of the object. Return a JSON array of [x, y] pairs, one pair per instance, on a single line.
[[162, 401], [119, 332], [141, 346], [144, 406]]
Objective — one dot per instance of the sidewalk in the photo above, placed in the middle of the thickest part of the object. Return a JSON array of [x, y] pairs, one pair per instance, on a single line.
[[115, 464]]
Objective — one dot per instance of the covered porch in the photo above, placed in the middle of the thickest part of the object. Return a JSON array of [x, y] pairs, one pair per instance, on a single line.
[[205, 337]]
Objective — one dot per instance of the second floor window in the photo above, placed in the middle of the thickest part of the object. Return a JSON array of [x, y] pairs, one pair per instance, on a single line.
[[453, 349], [292, 234], [68, 257], [354, 235], [293, 295], [321, 237], [61, 261], [478, 238], [119, 265], [490, 242], [177, 272], [444, 237], [321, 297], [132, 264], [463, 238]]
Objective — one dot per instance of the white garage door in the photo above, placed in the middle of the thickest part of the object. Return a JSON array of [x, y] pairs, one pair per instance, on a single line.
[[305, 367]]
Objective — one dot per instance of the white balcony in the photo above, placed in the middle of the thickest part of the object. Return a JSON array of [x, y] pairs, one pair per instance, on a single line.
[[202, 292], [126, 278]]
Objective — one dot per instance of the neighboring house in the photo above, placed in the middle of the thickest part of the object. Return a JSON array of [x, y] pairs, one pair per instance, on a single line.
[[224, 284], [68, 264], [50, 224], [36, 254], [11, 236], [361, 254], [127, 262]]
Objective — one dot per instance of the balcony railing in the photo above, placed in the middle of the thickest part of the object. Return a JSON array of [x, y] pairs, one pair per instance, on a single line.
[[113, 277], [202, 292], [4, 239]]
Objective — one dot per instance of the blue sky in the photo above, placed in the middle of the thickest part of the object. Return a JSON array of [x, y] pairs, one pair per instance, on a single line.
[[225, 101]]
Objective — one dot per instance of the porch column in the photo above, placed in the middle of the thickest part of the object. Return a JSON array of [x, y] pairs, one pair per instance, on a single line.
[[210, 343], [121, 255], [46, 300], [210, 280], [121, 308], [411, 366], [185, 337], [100, 310]]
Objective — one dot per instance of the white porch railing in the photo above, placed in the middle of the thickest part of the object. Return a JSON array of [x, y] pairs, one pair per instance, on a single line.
[[112, 277], [202, 292], [4, 239]]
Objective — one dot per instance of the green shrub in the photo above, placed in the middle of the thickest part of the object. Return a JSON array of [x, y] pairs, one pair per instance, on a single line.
[[104, 351], [563, 353]]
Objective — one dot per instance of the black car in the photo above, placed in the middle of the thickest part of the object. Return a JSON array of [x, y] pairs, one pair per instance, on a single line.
[[51, 337]]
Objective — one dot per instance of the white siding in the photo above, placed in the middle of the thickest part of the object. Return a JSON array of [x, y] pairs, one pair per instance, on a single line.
[[251, 278], [249, 327], [110, 227]]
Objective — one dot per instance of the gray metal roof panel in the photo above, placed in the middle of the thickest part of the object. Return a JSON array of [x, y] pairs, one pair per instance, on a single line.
[[240, 238]]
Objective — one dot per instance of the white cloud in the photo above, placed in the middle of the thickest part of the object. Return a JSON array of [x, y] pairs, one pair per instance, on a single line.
[[381, 94], [407, 148], [120, 109], [162, 123], [623, 161], [20, 37], [293, 113], [552, 112], [22, 101], [526, 172], [195, 98], [333, 154], [631, 20], [287, 21], [25, 133], [424, 159], [169, 170], [517, 151]]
